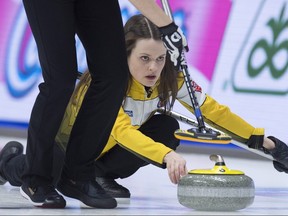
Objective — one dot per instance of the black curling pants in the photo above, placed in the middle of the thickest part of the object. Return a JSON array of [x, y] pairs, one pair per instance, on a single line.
[[13, 168], [99, 26], [117, 163]]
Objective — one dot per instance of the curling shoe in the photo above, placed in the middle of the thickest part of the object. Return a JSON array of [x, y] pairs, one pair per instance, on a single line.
[[10, 150], [88, 192], [280, 155], [43, 196], [112, 188]]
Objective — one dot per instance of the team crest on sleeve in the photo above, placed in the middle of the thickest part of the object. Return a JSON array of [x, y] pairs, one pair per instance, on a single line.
[[196, 87], [129, 113]]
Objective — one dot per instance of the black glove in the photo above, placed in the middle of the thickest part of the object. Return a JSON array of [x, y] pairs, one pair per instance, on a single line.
[[280, 167], [279, 154], [174, 41]]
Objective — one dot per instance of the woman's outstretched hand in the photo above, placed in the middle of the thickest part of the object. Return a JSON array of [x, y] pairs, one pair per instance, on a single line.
[[176, 166]]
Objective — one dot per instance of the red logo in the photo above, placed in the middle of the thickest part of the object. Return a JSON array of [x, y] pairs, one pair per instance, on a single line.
[[196, 87]]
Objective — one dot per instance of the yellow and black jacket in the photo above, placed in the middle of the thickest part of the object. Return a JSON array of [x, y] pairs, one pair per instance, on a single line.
[[138, 107]]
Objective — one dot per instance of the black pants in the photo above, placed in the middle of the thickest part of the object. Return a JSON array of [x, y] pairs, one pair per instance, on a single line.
[[117, 163], [99, 26]]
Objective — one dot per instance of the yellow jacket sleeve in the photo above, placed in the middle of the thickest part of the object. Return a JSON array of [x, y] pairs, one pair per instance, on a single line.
[[220, 117], [130, 138]]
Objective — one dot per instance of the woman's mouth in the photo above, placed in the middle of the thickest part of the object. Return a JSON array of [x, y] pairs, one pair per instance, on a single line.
[[151, 77]]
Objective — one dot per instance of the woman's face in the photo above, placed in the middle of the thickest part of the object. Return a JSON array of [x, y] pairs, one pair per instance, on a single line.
[[147, 60]]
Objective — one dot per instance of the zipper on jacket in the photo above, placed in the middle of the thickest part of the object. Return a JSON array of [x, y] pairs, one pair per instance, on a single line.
[[149, 91]]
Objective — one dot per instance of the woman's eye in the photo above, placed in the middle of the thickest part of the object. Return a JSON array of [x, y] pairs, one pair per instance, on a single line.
[[161, 59], [145, 58]]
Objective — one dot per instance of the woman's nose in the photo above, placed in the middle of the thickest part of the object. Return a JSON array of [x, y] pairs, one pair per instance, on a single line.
[[153, 66]]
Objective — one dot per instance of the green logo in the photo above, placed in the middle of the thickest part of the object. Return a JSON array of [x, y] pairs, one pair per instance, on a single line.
[[262, 63]]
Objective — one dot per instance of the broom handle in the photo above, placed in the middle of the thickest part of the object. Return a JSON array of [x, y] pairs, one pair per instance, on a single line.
[[167, 9], [193, 98]]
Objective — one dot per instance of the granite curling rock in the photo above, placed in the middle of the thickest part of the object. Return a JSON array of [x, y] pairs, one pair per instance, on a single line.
[[218, 189]]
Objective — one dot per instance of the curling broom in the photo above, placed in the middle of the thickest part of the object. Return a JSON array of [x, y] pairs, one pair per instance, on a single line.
[[201, 133]]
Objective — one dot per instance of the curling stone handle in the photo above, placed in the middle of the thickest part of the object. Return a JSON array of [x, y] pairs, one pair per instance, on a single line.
[[217, 159]]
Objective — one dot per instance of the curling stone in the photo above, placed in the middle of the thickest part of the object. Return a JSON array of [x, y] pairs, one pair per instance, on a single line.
[[217, 189]]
